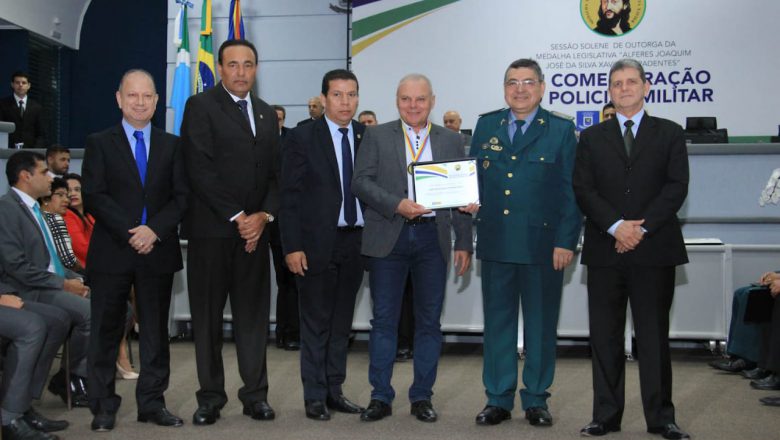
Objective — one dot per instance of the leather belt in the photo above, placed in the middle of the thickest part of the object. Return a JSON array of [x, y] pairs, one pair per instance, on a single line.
[[349, 228]]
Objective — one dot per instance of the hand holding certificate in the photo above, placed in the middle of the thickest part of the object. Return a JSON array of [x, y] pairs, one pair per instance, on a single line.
[[446, 184]]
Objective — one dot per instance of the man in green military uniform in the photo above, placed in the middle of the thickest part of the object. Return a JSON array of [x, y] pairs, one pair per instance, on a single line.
[[527, 230]]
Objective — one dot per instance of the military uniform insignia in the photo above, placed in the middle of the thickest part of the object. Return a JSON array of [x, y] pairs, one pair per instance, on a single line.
[[485, 146], [261, 116], [541, 121], [485, 164], [496, 147], [359, 135], [494, 140], [503, 121]]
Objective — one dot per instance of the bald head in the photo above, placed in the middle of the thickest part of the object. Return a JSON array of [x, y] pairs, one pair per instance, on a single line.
[[452, 120]]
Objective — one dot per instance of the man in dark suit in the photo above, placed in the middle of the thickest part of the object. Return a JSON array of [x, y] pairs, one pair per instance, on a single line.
[[287, 316], [321, 223], [24, 112], [31, 267], [34, 332], [528, 227], [630, 179], [135, 187], [402, 237], [315, 110], [231, 152]]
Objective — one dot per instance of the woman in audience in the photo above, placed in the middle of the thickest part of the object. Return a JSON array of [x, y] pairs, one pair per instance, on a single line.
[[79, 222], [54, 207]]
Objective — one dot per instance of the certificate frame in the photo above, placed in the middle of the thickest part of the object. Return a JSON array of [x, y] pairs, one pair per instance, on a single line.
[[445, 184]]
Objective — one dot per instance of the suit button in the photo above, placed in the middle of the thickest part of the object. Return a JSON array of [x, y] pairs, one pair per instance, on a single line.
[[541, 159], [628, 168], [628, 191], [510, 175], [507, 192], [514, 157], [257, 165], [406, 191], [506, 212]]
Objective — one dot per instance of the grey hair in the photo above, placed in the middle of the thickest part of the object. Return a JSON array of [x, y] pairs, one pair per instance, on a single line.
[[627, 63], [526, 63], [416, 77]]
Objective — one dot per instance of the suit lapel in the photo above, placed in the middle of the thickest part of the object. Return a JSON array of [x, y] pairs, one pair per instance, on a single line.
[[502, 133], [645, 131], [122, 146], [400, 142], [322, 133], [613, 135], [538, 126], [257, 115], [436, 147], [26, 211], [155, 155], [232, 110]]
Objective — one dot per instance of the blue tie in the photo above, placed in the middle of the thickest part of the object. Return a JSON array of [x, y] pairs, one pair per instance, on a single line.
[[55, 259], [140, 162], [244, 109], [517, 130], [350, 211]]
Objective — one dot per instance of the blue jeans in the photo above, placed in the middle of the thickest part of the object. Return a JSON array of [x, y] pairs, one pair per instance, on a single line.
[[417, 252]]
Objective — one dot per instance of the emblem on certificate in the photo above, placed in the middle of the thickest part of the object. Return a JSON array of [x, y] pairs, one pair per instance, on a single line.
[[445, 184]]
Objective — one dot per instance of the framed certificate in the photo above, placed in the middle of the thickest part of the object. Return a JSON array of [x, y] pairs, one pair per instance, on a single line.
[[445, 184]]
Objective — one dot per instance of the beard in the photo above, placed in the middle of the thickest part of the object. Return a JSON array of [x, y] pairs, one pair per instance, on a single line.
[[608, 23]]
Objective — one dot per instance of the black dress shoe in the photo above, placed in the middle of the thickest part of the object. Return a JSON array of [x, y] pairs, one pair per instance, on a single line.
[[161, 417], [205, 415], [78, 389], [342, 404], [19, 429], [423, 410], [316, 410], [769, 383], [597, 429], [41, 423], [403, 354], [670, 431], [377, 410], [260, 411], [732, 365], [537, 416], [755, 373], [771, 401], [292, 345], [279, 341], [493, 415], [103, 422]]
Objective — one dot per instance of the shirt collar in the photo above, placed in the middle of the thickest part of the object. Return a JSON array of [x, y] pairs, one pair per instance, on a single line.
[[28, 201], [637, 118], [19, 98], [410, 131], [528, 119], [334, 127], [130, 130], [236, 98]]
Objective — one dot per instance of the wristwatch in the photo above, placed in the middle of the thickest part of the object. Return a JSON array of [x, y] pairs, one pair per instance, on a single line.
[[269, 218]]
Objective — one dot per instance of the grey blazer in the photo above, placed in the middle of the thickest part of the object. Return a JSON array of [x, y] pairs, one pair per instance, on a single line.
[[380, 183], [23, 254]]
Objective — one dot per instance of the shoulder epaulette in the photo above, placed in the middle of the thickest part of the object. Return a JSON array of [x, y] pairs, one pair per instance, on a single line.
[[562, 115], [493, 111]]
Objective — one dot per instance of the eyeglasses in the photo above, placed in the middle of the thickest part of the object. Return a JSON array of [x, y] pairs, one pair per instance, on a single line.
[[518, 83]]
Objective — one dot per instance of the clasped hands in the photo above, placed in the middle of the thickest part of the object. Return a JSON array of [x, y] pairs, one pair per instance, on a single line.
[[250, 227], [628, 235]]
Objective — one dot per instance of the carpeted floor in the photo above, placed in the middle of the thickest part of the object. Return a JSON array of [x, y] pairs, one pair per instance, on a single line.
[[710, 405]]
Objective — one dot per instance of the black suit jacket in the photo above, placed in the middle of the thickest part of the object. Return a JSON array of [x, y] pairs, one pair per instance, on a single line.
[[29, 129], [113, 193], [652, 184], [229, 169], [311, 191]]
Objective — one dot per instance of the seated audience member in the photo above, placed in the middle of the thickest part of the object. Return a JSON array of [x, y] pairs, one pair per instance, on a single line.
[[30, 267], [54, 207], [773, 356], [79, 222], [58, 160], [745, 339], [34, 333]]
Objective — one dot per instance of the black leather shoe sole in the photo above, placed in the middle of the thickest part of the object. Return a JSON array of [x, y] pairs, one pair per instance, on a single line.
[[265, 413], [538, 417], [161, 420], [103, 422], [316, 410], [597, 430], [377, 410]]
